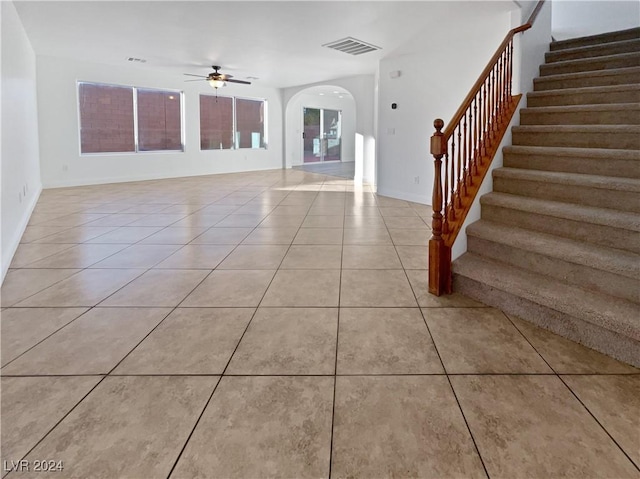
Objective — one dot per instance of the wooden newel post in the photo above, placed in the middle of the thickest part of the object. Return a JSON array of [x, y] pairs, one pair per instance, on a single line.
[[439, 253]]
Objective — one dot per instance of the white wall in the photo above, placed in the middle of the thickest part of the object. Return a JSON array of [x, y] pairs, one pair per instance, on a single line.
[[433, 81], [62, 164], [311, 99], [362, 90], [529, 48], [20, 170], [581, 18]]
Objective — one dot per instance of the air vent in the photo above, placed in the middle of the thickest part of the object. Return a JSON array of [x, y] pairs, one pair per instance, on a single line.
[[352, 46], [136, 60]]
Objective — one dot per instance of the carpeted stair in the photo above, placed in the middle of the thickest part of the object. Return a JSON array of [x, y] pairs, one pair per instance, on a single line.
[[558, 243]]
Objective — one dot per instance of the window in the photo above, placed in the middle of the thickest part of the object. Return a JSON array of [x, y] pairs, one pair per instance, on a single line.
[[227, 123], [249, 123], [158, 120], [106, 118], [216, 122], [111, 122]]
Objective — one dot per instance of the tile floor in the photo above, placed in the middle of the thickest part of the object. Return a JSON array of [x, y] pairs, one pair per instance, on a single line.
[[277, 324]]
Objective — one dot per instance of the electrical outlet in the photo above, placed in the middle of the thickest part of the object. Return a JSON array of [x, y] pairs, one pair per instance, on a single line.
[[416, 180]]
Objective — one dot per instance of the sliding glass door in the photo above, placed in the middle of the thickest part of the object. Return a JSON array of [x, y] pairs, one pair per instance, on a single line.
[[322, 135]]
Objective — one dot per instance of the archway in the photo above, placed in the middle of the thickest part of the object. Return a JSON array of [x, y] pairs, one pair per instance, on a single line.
[[329, 97]]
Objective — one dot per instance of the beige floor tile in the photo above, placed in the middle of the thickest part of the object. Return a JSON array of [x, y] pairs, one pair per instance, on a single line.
[[282, 221], [31, 252], [615, 402], [87, 288], [117, 219], [385, 341], [22, 328], [391, 202], [414, 257], [261, 235], [367, 236], [73, 219], [197, 220], [92, 344], [288, 341], [410, 222], [419, 280], [218, 235], [197, 256], [105, 435], [362, 210], [189, 341], [19, 284], [237, 288], [363, 222], [78, 256], [566, 356], [313, 257], [303, 287], [218, 209], [290, 210], [240, 221], [481, 340], [126, 234], [322, 221], [138, 256], [158, 287], [255, 257], [326, 210], [158, 220], [532, 426], [34, 233], [78, 234], [146, 209], [370, 257], [32, 406], [410, 237], [174, 235], [376, 288], [263, 427], [319, 236], [387, 211], [402, 426]]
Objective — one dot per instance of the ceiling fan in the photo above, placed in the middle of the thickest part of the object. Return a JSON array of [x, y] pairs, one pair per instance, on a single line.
[[217, 79]]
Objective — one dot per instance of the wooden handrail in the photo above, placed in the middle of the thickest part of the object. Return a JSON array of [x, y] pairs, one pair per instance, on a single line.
[[465, 149]]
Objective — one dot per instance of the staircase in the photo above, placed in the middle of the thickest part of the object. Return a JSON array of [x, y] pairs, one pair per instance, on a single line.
[[558, 242]]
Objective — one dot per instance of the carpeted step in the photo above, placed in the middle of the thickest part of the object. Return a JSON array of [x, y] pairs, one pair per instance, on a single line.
[[589, 161], [578, 136], [591, 190], [593, 267], [604, 114], [599, 321], [593, 51], [585, 96], [613, 76], [607, 227], [621, 60], [621, 35]]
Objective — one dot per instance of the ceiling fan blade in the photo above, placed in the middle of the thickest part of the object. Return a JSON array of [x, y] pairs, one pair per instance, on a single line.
[[239, 81], [199, 79], [192, 75]]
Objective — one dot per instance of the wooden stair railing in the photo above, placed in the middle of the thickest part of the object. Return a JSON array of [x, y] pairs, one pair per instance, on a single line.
[[467, 147]]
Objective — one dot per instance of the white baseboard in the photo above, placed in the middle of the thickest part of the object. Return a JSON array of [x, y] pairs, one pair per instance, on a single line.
[[402, 195], [17, 236]]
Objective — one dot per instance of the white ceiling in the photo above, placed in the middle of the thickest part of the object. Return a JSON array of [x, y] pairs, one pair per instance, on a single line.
[[278, 42]]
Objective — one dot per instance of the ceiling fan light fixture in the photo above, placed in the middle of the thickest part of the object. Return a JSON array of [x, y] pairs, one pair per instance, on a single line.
[[216, 83]]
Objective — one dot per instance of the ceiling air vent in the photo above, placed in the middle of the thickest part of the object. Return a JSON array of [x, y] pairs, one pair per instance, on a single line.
[[352, 46]]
